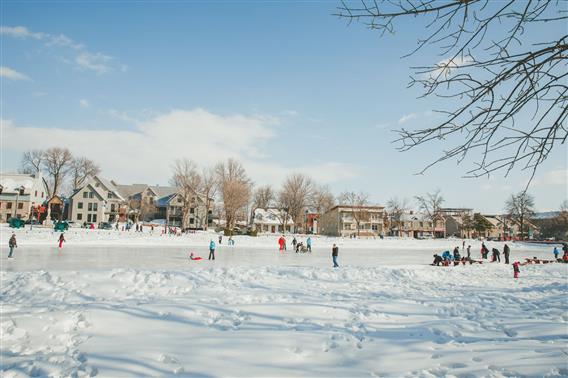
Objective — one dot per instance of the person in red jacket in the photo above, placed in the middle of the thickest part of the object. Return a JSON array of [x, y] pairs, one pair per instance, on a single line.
[[281, 243], [61, 240], [516, 269]]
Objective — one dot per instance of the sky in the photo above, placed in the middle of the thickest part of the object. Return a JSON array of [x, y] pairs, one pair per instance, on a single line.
[[283, 87]]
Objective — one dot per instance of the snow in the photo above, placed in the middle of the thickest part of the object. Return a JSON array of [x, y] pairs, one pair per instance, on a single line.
[[129, 304]]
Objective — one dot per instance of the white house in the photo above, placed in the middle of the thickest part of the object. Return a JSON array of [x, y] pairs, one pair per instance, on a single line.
[[21, 195], [272, 221]]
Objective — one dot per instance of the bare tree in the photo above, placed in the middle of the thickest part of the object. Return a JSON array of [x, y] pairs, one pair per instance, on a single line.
[[520, 207], [322, 199], [295, 196], [234, 187], [511, 96], [396, 209], [81, 168], [57, 163], [356, 202], [32, 161], [188, 181], [431, 206], [263, 198], [209, 190]]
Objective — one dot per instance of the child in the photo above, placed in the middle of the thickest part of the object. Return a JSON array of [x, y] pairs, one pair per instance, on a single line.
[[192, 257], [516, 269], [61, 240]]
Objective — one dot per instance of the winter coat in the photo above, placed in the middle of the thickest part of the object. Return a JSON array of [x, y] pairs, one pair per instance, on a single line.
[[12, 241], [335, 251], [309, 242], [212, 245]]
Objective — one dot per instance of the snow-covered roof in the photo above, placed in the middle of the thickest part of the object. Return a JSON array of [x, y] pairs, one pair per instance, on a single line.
[[421, 217], [270, 217], [110, 187], [11, 182]]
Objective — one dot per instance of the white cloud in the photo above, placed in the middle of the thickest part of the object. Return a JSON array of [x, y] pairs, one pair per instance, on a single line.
[[84, 103], [554, 177], [407, 117], [145, 154], [19, 32], [11, 74], [82, 58], [96, 62], [444, 68]]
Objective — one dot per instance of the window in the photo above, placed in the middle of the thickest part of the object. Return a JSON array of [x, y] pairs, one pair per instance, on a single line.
[[191, 220], [95, 206], [85, 194], [179, 199], [22, 191], [88, 217], [109, 195], [112, 207], [151, 200], [192, 210], [41, 194], [91, 195], [20, 205], [375, 227], [79, 216], [90, 207], [94, 218], [9, 205], [79, 205]]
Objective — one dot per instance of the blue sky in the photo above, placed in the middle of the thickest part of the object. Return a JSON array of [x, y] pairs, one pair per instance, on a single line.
[[282, 86]]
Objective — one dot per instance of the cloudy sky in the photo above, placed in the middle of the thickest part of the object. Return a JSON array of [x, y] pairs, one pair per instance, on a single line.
[[282, 86]]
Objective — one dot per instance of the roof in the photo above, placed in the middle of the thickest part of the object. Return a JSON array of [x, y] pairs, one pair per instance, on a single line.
[[421, 217], [163, 201], [270, 216], [11, 181], [129, 190], [366, 207], [110, 186]]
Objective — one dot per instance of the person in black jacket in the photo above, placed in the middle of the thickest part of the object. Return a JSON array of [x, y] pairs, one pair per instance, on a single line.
[[12, 244], [506, 251], [496, 255], [437, 260], [334, 254]]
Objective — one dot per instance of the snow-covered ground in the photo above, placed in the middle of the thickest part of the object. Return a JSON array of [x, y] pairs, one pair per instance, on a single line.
[[126, 304]]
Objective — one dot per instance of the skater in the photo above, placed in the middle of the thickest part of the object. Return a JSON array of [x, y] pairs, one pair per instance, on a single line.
[[309, 244], [294, 243], [334, 254], [281, 243], [61, 240], [506, 252], [457, 254], [516, 269], [469, 252], [220, 239], [463, 245], [136, 227], [284, 242], [437, 260], [211, 250], [484, 251], [298, 247], [12, 244], [495, 255], [556, 253]]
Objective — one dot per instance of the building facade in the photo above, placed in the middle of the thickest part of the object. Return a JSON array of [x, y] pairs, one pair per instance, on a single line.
[[364, 221], [271, 221], [98, 200], [21, 195]]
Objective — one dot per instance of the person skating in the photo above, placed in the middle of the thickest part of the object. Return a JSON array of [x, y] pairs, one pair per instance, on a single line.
[[457, 254], [556, 253], [61, 240], [516, 270], [334, 254], [469, 252], [211, 250], [496, 255], [12, 244], [294, 243], [220, 239], [281, 243], [484, 251], [437, 260], [309, 244], [506, 252]]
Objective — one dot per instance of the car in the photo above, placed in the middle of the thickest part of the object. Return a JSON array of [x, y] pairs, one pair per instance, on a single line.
[[105, 226]]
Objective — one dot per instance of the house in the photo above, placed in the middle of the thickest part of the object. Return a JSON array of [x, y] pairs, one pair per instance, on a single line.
[[142, 200], [21, 195], [419, 225], [170, 208], [342, 220], [272, 221], [98, 200]]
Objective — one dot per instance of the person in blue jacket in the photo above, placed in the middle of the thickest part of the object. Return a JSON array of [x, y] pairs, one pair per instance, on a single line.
[[556, 253], [447, 256], [309, 244], [211, 250]]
